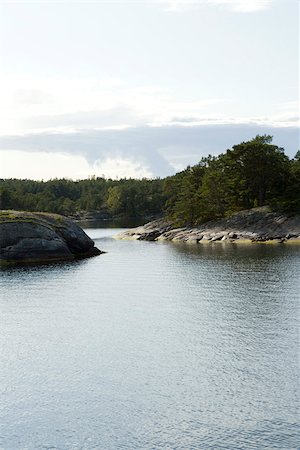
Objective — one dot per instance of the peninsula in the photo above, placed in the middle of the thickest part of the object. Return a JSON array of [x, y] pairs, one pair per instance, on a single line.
[[254, 225]]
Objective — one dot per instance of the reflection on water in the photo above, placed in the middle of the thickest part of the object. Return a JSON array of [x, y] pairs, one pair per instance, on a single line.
[[153, 346], [113, 223]]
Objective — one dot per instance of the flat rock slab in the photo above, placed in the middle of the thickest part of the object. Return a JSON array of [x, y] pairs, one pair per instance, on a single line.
[[256, 225]]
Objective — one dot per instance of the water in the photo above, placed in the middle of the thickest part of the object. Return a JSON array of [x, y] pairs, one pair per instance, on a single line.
[[153, 346]]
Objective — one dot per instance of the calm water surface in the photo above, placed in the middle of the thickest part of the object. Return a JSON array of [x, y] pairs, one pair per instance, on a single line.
[[152, 346]]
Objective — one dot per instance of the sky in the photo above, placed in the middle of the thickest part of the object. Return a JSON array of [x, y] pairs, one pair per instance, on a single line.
[[142, 88]]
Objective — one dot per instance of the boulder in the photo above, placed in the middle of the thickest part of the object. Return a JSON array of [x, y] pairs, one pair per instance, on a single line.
[[40, 237]]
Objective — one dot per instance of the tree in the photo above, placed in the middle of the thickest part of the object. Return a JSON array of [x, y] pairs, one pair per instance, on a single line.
[[289, 201], [6, 200], [114, 199], [261, 168]]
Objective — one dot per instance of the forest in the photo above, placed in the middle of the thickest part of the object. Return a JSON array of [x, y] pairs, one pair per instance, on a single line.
[[250, 174]]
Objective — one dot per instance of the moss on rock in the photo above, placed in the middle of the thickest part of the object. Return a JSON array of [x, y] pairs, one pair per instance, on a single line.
[[27, 238]]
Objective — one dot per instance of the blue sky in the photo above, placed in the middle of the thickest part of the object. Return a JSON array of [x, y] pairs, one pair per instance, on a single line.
[[142, 88]]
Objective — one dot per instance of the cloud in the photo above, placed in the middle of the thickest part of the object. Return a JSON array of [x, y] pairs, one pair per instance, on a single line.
[[97, 146], [121, 168], [243, 6], [36, 104], [181, 5], [147, 150], [39, 103], [140, 131], [43, 166]]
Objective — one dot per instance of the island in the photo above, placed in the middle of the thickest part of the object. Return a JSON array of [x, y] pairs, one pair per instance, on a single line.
[[35, 237]]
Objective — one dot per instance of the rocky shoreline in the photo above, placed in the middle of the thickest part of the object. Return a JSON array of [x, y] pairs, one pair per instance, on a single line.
[[255, 225], [35, 238]]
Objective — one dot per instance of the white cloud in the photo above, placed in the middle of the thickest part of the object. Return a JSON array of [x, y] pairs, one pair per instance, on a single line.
[[35, 104], [30, 104], [244, 5], [132, 152], [179, 5], [42, 165], [235, 5], [121, 168]]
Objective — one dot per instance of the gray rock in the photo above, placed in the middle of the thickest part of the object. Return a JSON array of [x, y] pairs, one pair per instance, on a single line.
[[257, 224], [151, 236], [216, 238], [193, 240], [40, 237]]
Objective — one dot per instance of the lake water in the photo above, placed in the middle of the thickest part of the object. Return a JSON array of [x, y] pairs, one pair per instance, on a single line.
[[153, 346]]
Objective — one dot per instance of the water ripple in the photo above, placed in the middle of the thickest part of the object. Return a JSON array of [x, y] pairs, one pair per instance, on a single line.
[[152, 346]]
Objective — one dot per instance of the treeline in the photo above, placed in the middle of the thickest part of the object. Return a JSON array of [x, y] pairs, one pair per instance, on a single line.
[[124, 198], [251, 174]]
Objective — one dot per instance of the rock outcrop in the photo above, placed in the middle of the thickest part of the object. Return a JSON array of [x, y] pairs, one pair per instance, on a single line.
[[255, 225], [41, 237]]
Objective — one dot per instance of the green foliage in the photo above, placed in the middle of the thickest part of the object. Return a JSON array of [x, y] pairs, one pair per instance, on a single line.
[[289, 200], [262, 167], [126, 197], [251, 174], [182, 193], [114, 199]]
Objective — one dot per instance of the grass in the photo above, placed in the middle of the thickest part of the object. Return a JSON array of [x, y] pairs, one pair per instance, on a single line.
[[48, 220]]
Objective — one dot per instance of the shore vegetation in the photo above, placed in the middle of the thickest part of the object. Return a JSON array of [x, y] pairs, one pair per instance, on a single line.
[[249, 175]]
